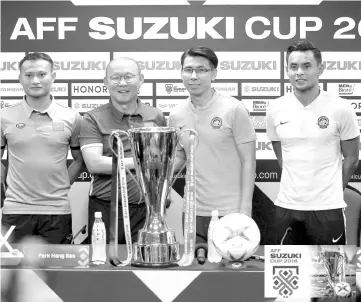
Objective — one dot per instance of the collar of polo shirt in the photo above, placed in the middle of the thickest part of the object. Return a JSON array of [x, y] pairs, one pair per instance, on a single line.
[[50, 110], [138, 110]]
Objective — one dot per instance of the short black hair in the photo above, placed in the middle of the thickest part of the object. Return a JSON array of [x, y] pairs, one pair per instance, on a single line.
[[201, 51], [305, 45], [36, 56]]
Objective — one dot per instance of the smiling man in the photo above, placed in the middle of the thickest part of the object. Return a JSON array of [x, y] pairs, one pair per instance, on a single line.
[[225, 155], [37, 133], [125, 110], [311, 131]]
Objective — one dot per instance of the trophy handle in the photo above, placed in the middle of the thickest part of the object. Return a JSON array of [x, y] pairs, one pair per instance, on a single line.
[[116, 133]]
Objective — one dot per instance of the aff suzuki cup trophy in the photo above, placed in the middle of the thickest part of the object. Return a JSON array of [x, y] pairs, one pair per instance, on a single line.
[[154, 152]]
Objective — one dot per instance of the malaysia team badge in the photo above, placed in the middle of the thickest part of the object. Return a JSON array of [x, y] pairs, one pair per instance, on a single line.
[[323, 122], [216, 122]]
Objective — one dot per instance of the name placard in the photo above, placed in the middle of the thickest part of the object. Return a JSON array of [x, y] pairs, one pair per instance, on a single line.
[[56, 256]]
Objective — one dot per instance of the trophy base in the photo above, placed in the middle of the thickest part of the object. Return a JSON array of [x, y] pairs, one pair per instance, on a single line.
[[154, 265], [156, 255]]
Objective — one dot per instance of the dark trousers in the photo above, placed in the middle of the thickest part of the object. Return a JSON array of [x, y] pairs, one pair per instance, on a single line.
[[137, 215], [326, 227], [202, 225], [55, 229]]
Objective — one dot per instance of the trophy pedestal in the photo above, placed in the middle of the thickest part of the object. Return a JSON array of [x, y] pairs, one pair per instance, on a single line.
[[156, 249], [156, 255]]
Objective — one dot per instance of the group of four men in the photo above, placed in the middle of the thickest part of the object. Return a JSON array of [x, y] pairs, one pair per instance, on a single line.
[[314, 135]]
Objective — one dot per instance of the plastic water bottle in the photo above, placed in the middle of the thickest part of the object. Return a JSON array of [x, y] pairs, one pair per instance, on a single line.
[[213, 255], [99, 243]]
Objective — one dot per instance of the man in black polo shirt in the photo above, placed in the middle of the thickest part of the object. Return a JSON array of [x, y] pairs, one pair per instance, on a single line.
[[123, 80]]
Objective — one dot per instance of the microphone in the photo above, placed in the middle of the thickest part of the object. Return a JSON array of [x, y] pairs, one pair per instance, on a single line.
[[201, 251]]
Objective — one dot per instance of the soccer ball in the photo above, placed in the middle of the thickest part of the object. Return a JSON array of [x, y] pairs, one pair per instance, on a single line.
[[236, 237], [342, 289]]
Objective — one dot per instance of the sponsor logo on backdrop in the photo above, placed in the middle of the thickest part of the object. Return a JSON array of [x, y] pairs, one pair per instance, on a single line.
[[86, 105], [168, 106], [80, 65], [166, 65], [8, 103], [264, 146], [344, 89], [196, 27], [249, 67], [336, 68], [261, 89], [356, 105], [9, 66], [259, 122], [156, 65], [256, 105], [159, 65], [15, 89], [342, 65], [89, 89], [9, 63], [229, 89], [264, 149], [288, 89], [178, 89], [260, 105], [171, 89]]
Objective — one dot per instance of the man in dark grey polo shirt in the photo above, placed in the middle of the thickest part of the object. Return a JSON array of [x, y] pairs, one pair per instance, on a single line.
[[123, 80], [37, 133]]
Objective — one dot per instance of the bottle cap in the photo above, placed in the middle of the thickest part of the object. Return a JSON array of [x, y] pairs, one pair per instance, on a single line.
[[215, 213], [98, 214]]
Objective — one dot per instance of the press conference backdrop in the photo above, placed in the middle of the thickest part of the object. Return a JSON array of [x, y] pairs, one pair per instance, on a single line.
[[250, 41]]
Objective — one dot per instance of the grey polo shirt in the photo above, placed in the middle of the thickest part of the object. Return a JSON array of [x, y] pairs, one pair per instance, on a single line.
[[223, 125], [95, 130], [38, 144]]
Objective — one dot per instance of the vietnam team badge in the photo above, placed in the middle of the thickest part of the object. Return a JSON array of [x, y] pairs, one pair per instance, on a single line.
[[323, 122]]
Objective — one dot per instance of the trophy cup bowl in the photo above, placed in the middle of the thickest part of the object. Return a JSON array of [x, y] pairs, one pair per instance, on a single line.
[[154, 151]]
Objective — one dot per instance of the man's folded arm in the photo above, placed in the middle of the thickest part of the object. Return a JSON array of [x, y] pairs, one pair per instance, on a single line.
[[96, 163]]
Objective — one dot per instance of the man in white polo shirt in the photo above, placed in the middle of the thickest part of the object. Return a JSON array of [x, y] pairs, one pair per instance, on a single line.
[[38, 133], [225, 154], [311, 131]]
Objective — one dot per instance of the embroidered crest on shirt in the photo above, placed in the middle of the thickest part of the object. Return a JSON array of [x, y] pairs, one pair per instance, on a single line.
[[323, 122], [216, 122], [20, 125]]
